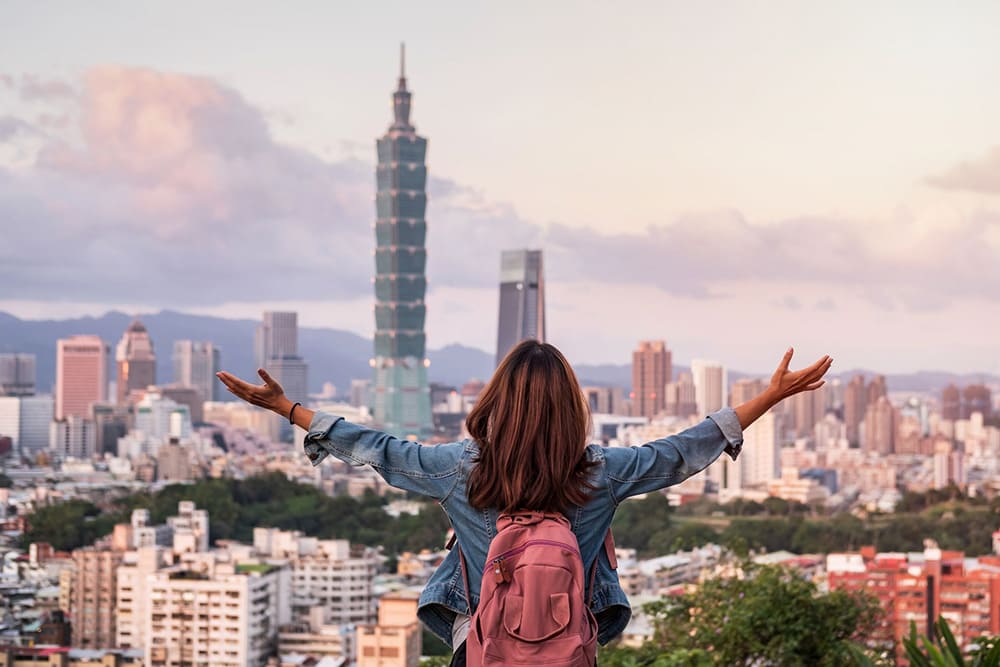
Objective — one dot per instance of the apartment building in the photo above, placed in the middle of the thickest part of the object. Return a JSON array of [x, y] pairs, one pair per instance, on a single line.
[[228, 617], [325, 573], [922, 587], [396, 640]]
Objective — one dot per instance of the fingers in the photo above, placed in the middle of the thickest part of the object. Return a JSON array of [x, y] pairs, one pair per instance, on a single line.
[[815, 385], [265, 376], [787, 359], [236, 386]]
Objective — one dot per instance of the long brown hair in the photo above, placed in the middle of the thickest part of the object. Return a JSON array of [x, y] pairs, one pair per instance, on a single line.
[[531, 424]]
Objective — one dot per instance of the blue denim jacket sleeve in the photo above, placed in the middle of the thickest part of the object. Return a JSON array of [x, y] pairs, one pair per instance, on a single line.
[[404, 464], [671, 460]]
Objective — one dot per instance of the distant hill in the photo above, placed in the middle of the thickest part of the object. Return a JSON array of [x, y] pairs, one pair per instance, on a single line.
[[333, 355]]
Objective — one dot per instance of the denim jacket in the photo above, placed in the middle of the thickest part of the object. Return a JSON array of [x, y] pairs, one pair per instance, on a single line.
[[441, 471]]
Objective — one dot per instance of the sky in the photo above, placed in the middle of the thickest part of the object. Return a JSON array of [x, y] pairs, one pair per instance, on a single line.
[[732, 177]]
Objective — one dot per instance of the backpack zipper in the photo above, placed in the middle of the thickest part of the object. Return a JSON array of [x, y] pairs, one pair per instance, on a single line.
[[500, 572]]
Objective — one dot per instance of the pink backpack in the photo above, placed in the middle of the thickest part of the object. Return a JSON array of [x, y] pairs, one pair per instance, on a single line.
[[533, 607]]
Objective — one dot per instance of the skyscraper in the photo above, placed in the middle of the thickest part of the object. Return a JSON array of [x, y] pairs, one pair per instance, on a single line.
[[651, 371], [81, 375], [277, 336], [135, 361], [402, 401], [951, 403], [195, 365], [855, 403], [17, 374], [681, 397], [522, 300], [710, 386], [277, 344]]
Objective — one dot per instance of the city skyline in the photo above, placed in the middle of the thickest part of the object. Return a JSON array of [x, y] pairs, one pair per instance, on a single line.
[[840, 224]]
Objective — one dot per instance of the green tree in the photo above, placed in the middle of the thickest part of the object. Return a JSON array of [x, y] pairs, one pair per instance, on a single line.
[[637, 521], [769, 616]]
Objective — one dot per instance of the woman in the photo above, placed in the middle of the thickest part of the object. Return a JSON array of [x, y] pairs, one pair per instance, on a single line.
[[528, 451]]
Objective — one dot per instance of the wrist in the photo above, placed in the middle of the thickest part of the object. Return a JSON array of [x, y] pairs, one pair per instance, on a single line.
[[772, 395], [282, 406]]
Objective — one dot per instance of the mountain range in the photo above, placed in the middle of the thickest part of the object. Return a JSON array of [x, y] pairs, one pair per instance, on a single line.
[[333, 355]]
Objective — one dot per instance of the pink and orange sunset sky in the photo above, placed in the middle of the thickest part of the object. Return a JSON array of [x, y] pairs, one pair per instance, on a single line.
[[733, 177]]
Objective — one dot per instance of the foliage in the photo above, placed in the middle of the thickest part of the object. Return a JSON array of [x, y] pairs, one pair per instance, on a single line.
[[941, 650], [649, 655], [235, 507], [432, 644], [68, 525], [435, 661], [768, 616]]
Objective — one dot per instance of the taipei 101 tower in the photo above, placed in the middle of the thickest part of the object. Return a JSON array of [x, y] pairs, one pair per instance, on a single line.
[[401, 402]]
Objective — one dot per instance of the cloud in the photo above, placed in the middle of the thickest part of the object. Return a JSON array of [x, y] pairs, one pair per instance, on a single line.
[[981, 175], [177, 194], [36, 89], [170, 190], [11, 126]]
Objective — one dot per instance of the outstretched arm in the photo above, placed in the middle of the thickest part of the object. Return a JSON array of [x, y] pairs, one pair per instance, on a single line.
[[784, 383]]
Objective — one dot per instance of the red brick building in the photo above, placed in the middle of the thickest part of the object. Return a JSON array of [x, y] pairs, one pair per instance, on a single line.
[[922, 587]]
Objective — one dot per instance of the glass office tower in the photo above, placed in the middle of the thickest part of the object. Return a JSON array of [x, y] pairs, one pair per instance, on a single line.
[[522, 299], [401, 398]]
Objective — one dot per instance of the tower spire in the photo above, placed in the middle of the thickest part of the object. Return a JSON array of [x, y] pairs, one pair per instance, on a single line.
[[401, 96]]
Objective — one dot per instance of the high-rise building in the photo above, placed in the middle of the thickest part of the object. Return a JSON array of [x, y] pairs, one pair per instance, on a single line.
[[26, 419], [855, 403], [745, 389], [522, 300], [276, 336], [806, 410], [92, 590], [977, 398], [651, 371], [73, 438], [876, 389], [195, 365], [951, 403], [361, 390], [110, 423], [921, 588], [761, 457], [277, 345], [402, 401], [325, 573], [135, 361], [292, 373], [17, 374], [681, 397], [223, 615], [710, 385], [81, 375], [605, 400], [880, 423]]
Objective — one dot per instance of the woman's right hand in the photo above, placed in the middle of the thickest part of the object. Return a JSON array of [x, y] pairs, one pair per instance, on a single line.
[[785, 383], [269, 395]]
